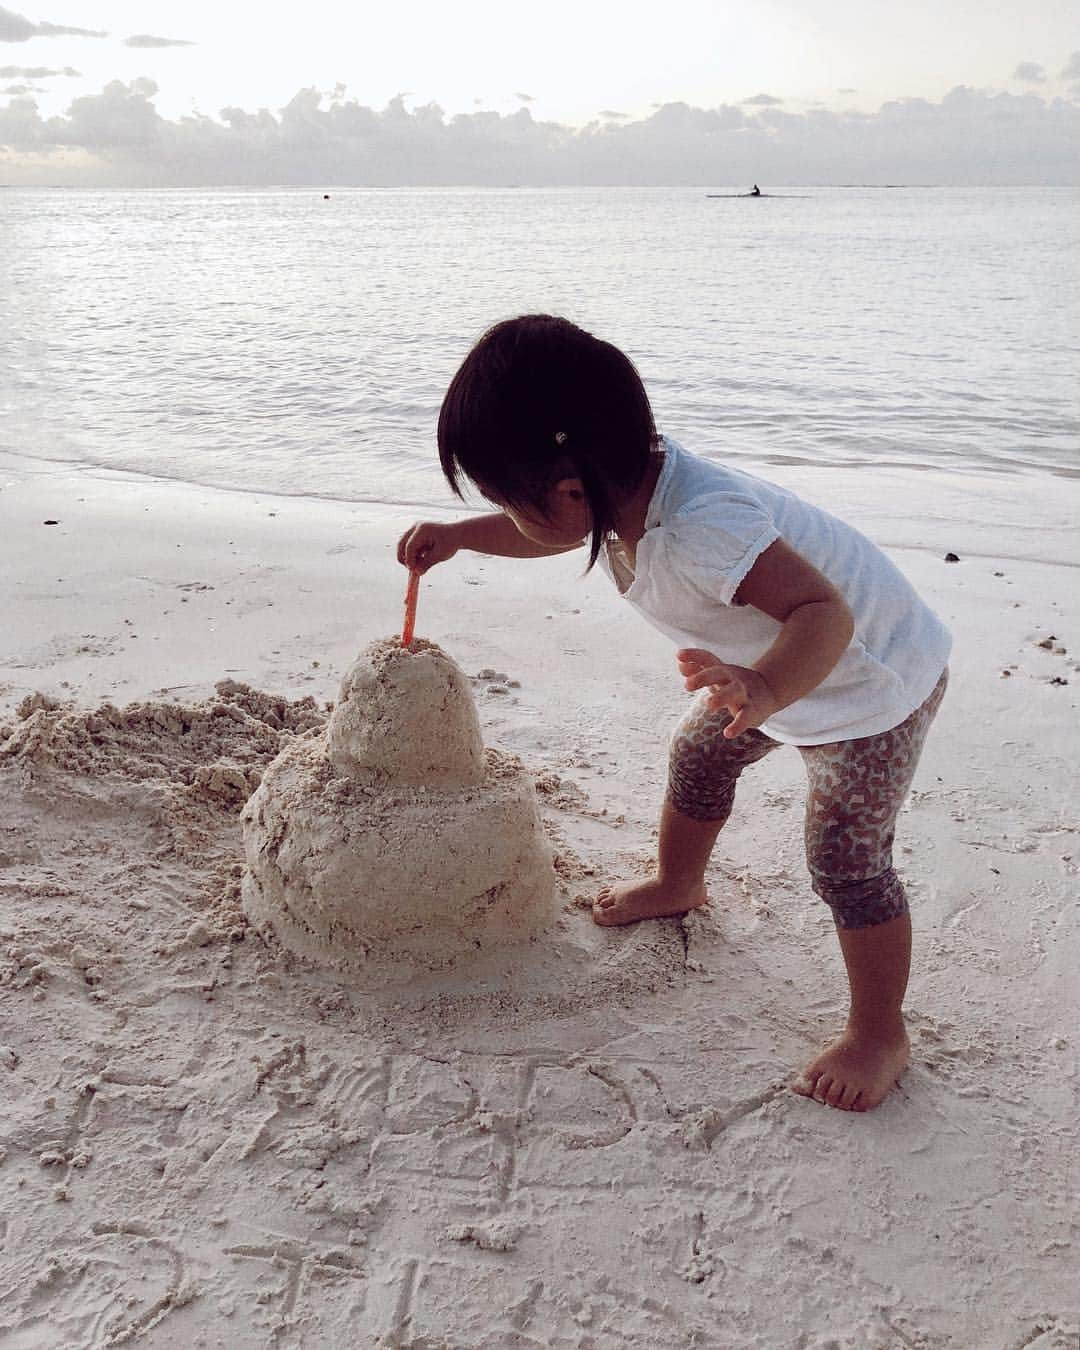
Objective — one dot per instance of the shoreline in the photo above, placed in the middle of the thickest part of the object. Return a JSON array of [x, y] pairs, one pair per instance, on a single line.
[[214, 581], [817, 481]]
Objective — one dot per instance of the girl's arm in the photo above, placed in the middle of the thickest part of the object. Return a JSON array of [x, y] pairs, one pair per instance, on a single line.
[[817, 627], [431, 542]]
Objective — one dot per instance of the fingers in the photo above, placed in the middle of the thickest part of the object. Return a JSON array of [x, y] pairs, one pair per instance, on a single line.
[[695, 658], [727, 693], [731, 688], [719, 678], [739, 723], [404, 544], [703, 668], [416, 549]]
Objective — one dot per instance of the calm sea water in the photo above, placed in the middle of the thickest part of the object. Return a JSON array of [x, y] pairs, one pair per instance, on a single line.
[[275, 340]]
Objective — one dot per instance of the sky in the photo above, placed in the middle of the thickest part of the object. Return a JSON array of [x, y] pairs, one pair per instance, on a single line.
[[114, 92]]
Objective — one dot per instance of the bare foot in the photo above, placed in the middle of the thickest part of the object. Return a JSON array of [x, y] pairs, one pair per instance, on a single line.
[[631, 901], [856, 1071]]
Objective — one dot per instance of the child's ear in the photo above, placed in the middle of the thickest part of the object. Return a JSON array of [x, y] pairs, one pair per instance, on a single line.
[[572, 488]]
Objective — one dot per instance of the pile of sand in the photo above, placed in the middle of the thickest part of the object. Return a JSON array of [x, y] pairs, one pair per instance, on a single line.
[[216, 748], [394, 842]]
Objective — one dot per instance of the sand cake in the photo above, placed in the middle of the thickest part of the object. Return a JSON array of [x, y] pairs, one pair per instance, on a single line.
[[393, 841]]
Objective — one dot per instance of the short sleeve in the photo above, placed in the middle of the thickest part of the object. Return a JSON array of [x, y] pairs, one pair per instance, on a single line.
[[712, 543]]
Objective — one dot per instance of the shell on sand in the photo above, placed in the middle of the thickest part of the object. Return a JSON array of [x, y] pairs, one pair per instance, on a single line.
[[393, 841]]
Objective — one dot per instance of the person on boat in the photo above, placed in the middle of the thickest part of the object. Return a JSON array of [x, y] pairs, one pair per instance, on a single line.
[[756, 192]]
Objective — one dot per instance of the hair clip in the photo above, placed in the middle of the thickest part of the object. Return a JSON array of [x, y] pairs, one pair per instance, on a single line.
[[560, 438]]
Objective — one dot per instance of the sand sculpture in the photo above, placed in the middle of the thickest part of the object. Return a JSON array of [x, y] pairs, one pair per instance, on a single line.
[[394, 840]]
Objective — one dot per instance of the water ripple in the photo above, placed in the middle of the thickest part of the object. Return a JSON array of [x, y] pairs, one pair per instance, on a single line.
[[271, 340]]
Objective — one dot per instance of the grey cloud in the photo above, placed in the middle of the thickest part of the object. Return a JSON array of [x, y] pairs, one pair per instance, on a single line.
[[525, 98], [22, 128], [15, 28], [145, 40], [19, 89], [120, 120], [1030, 72], [33, 72], [613, 115], [763, 101], [1071, 70], [970, 136]]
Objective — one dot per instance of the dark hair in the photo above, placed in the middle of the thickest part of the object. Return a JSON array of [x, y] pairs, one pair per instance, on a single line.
[[539, 399]]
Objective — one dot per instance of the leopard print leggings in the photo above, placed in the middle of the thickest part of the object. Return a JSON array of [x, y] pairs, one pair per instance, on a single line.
[[854, 792]]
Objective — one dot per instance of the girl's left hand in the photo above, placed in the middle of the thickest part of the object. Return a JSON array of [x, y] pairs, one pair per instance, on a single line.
[[742, 691]]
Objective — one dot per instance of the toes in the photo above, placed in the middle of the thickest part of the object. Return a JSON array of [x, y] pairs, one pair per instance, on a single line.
[[836, 1092], [806, 1082], [605, 909], [827, 1090]]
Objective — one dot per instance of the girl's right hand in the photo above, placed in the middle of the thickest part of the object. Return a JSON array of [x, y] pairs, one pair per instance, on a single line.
[[425, 544]]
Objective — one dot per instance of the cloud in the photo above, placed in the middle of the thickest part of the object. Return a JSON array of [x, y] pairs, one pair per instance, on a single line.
[[1071, 70], [119, 123], [145, 40], [1030, 72], [14, 28], [118, 138], [763, 101], [525, 98], [613, 115], [34, 72], [19, 89]]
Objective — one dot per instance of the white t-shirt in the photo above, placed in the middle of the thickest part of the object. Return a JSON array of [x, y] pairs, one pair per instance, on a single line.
[[706, 526]]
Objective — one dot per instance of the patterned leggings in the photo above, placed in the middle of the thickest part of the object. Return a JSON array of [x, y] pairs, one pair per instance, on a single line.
[[854, 793]]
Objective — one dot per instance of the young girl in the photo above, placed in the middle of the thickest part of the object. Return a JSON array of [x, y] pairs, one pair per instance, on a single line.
[[795, 628]]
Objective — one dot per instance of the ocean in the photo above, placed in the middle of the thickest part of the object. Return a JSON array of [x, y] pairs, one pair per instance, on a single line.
[[289, 342]]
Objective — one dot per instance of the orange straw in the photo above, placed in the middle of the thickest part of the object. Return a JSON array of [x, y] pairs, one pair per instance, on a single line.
[[411, 594]]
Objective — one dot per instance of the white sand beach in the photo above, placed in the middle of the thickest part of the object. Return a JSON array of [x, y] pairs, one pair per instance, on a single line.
[[591, 1144]]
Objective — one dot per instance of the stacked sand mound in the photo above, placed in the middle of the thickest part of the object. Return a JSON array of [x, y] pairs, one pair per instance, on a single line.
[[395, 839]]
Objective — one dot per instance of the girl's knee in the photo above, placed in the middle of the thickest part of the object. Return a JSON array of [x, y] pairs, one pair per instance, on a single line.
[[702, 774], [703, 801], [703, 766], [865, 902]]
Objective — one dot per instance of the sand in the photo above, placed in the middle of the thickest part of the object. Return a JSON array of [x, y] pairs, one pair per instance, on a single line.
[[406, 717], [391, 846], [207, 1142]]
